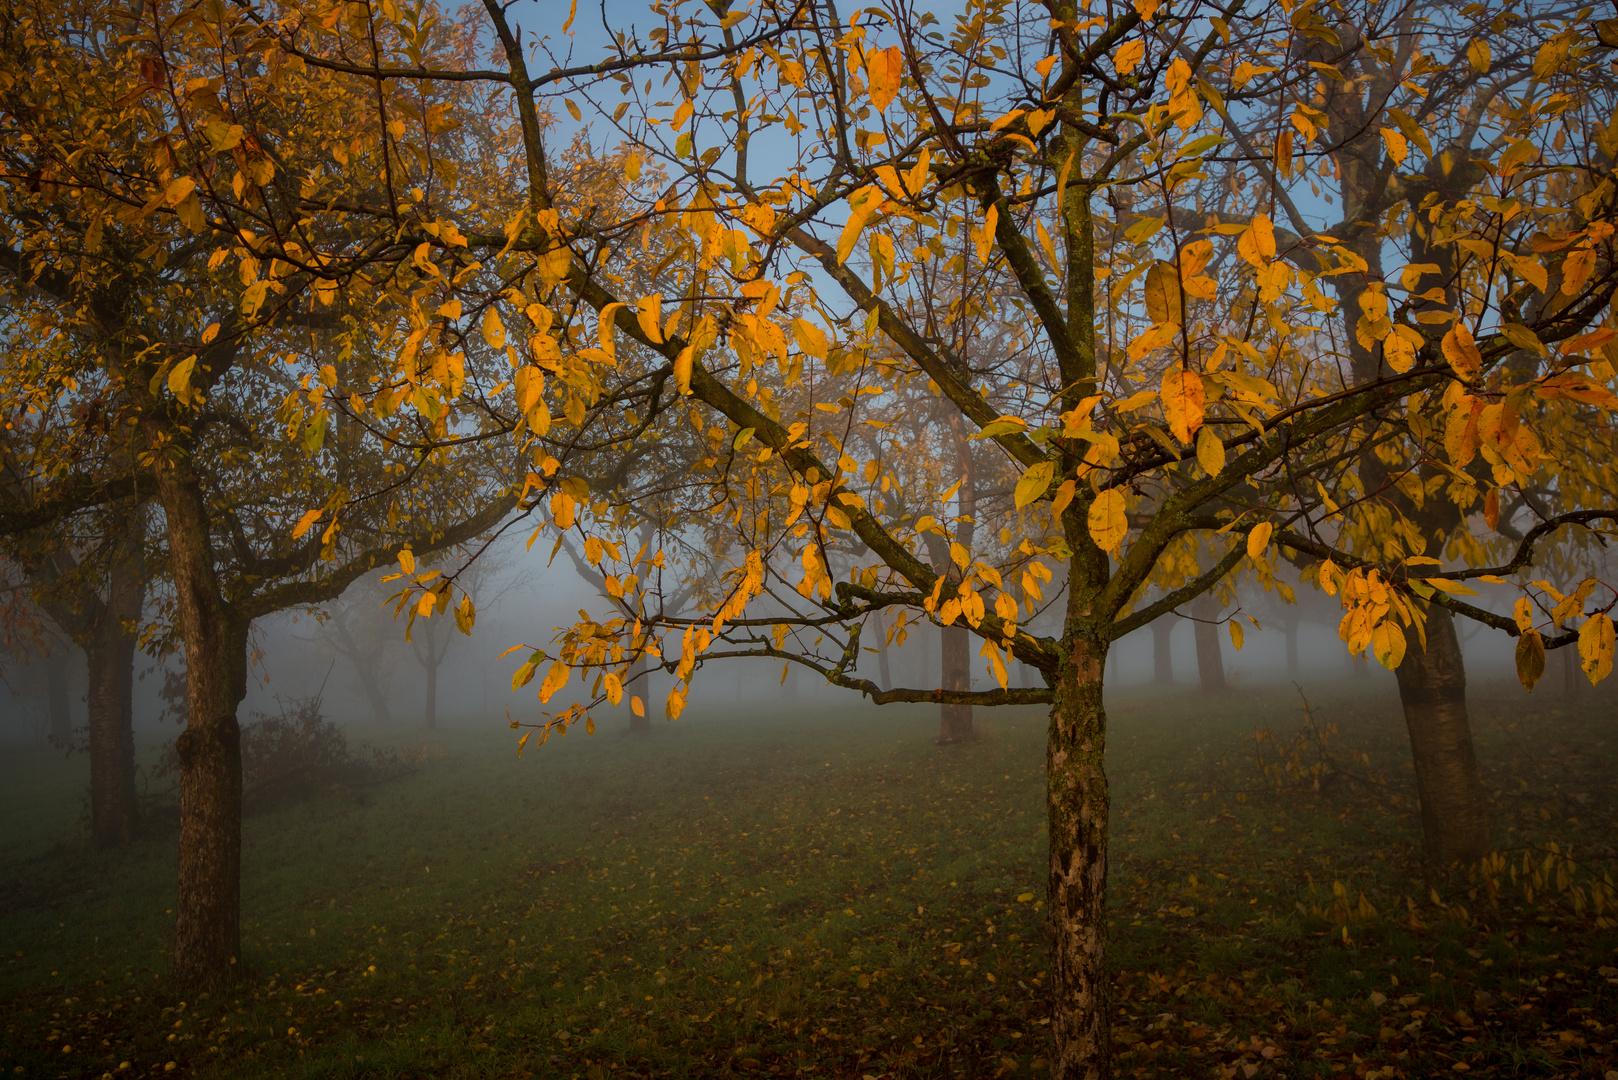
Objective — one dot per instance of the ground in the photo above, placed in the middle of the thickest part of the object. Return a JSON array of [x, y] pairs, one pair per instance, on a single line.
[[819, 890]]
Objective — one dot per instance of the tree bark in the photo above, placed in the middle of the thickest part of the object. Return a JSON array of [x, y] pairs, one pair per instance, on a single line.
[[1210, 657], [1163, 652], [1432, 687], [56, 690], [1077, 804], [207, 930], [955, 721]]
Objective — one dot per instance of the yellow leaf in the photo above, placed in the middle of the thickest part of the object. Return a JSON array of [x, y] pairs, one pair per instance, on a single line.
[[407, 560], [1034, 483], [1128, 56], [675, 704], [811, 339], [884, 68], [1399, 348], [1388, 641], [648, 310], [860, 206], [1523, 612], [1462, 352], [178, 190], [637, 706], [632, 167], [1064, 496], [1023, 898], [1235, 634], [985, 235], [555, 679], [614, 687], [1596, 647], [1210, 451], [306, 522], [529, 383], [1184, 402], [959, 555], [1107, 521], [682, 369], [1258, 541], [562, 510], [1257, 243], [494, 331], [1398, 148], [1479, 55], [1163, 301], [180, 379]]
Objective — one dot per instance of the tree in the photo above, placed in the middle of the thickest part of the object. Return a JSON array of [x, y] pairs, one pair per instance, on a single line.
[[119, 134], [98, 600], [1167, 357]]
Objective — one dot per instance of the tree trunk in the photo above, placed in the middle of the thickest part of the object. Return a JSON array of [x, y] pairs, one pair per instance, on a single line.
[[110, 651], [1573, 681], [431, 693], [364, 664], [1210, 657], [1163, 651], [1292, 649], [207, 924], [955, 721], [56, 689], [1077, 804], [112, 742], [1432, 688], [884, 673]]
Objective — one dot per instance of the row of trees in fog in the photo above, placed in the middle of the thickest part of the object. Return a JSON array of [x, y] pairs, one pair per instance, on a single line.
[[799, 329]]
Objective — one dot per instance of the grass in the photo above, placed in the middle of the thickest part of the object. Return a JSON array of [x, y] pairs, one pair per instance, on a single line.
[[822, 891]]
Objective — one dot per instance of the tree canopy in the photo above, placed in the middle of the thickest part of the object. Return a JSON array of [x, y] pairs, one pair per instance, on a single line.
[[1087, 308]]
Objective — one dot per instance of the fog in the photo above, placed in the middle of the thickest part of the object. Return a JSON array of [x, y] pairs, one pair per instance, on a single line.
[[523, 597]]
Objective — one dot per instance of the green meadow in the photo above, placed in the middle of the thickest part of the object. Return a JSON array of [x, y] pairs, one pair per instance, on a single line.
[[818, 889]]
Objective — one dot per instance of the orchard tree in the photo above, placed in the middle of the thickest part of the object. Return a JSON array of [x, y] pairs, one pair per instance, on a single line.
[[143, 152], [849, 209]]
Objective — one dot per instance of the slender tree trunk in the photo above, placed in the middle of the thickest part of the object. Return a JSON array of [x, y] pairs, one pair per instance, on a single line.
[[955, 721], [364, 664], [431, 693], [56, 690], [1077, 804], [884, 673], [1292, 649], [1163, 652], [1573, 683], [1210, 657], [1432, 687], [207, 925]]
